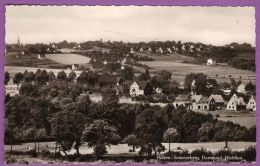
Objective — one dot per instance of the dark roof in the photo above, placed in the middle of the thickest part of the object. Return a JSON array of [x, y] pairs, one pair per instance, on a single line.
[[142, 84], [109, 79], [205, 100]]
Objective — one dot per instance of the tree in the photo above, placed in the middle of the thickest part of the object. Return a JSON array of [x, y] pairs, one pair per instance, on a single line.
[[7, 77], [29, 77], [72, 76], [67, 130], [62, 76], [18, 77], [99, 134], [51, 76], [250, 87], [109, 96], [28, 89], [165, 75], [127, 73], [145, 76], [132, 140], [169, 135]]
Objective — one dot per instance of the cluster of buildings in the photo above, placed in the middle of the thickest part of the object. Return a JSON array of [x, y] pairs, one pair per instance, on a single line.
[[192, 101]]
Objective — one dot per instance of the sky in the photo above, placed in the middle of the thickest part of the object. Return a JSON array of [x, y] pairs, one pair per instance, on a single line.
[[209, 25]]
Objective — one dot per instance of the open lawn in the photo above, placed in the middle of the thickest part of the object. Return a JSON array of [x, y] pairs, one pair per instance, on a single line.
[[68, 59], [245, 118], [124, 148]]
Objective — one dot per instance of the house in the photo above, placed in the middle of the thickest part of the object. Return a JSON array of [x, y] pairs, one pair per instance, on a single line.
[[138, 88], [219, 101], [241, 88], [105, 62], [41, 56], [236, 103], [211, 62], [182, 100], [11, 88], [141, 50], [183, 48], [109, 80], [200, 102], [74, 66], [251, 105], [160, 50], [150, 50], [132, 51], [195, 99], [207, 103], [169, 50]]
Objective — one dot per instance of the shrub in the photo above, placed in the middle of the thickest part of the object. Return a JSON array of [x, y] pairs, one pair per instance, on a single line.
[[23, 162], [10, 160], [201, 152], [249, 154]]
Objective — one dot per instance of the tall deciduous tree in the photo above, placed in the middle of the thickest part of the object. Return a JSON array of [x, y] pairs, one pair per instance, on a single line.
[[100, 133], [169, 135]]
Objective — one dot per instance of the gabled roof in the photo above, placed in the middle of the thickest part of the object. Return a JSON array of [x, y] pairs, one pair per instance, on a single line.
[[205, 100], [217, 98], [142, 84], [181, 98], [196, 98]]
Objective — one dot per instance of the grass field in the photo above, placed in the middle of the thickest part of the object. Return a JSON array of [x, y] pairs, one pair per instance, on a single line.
[[167, 57], [220, 73], [68, 59], [247, 119], [124, 148]]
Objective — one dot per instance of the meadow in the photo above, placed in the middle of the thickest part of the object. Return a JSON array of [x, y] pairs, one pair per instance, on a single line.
[[124, 148], [68, 59]]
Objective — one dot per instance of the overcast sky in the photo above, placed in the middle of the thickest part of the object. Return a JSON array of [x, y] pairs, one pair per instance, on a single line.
[[210, 25]]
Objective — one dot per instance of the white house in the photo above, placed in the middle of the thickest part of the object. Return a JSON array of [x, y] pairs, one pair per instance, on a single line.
[[41, 56], [241, 88], [141, 50], [105, 62], [251, 105], [132, 51], [138, 88], [182, 100], [169, 50], [236, 103], [74, 66], [211, 62], [160, 50], [150, 49], [11, 88], [195, 100]]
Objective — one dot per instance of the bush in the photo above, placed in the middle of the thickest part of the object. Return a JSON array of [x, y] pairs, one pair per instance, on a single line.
[[10, 160], [249, 154], [201, 152], [23, 162]]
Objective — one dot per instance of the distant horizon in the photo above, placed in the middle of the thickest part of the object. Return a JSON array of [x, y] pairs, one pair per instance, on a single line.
[[129, 42]]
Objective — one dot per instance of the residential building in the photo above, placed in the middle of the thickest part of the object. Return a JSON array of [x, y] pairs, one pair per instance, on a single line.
[[195, 99], [251, 105], [182, 100], [211, 62], [219, 101], [236, 103], [138, 88], [241, 88]]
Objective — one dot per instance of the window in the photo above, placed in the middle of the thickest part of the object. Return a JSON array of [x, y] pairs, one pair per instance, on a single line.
[[233, 107], [205, 107], [253, 106], [198, 106], [176, 105], [229, 107]]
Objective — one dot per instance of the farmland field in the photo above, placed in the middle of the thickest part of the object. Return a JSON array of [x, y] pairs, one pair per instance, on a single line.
[[168, 57], [220, 73], [68, 59], [124, 148]]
